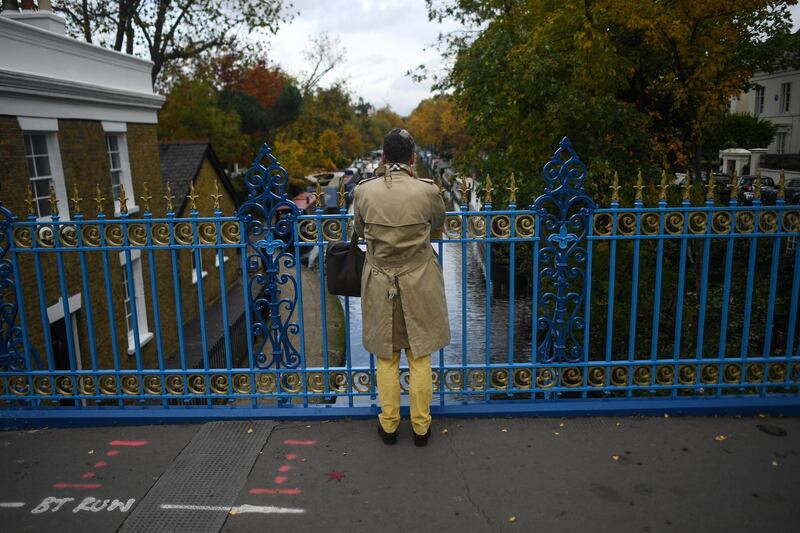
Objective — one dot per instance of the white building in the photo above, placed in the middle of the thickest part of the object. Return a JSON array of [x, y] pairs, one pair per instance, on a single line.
[[777, 99]]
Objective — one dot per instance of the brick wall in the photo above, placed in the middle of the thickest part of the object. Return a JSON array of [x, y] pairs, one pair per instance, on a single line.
[[85, 163]]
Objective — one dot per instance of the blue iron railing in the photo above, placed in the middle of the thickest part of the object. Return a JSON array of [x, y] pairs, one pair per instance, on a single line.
[[619, 308]]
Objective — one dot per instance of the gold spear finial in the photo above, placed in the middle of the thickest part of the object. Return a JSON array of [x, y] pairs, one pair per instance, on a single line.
[[663, 186], [169, 197], [340, 195], [782, 186], [512, 190], [687, 186], [76, 200], [615, 188], [487, 190], [639, 186], [146, 198], [53, 201], [318, 200], [758, 185], [464, 190], [192, 196], [216, 196], [99, 198], [123, 200], [710, 186], [29, 200], [734, 186]]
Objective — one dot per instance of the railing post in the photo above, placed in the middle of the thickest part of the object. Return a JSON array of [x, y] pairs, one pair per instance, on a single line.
[[269, 236], [11, 336], [564, 212]]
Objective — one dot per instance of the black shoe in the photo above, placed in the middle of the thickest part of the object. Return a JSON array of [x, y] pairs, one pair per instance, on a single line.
[[388, 438], [422, 440]]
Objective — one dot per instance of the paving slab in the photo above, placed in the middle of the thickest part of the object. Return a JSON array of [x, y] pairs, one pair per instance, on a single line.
[[82, 479]]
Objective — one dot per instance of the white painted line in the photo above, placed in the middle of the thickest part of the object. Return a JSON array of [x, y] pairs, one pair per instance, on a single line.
[[11, 505], [241, 509], [265, 509]]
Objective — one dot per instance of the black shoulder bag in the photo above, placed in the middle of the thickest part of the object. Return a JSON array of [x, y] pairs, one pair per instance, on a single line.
[[344, 263]]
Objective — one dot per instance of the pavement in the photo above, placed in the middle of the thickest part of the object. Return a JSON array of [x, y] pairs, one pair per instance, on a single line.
[[676, 474]]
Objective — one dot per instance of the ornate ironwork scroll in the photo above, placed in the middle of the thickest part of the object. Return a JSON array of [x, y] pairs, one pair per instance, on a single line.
[[268, 217], [564, 212], [11, 346]]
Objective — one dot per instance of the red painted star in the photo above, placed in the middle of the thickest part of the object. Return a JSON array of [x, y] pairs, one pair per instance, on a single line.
[[335, 474]]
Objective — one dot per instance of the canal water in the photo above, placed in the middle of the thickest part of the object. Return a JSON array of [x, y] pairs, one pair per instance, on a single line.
[[474, 336]]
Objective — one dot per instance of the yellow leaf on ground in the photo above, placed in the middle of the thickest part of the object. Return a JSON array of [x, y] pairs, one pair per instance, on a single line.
[[615, 457], [720, 438], [512, 519]]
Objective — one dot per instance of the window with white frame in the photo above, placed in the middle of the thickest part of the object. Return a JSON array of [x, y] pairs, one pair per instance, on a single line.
[[44, 169], [133, 298], [119, 165], [781, 142], [39, 172], [786, 97], [195, 266], [759, 100]]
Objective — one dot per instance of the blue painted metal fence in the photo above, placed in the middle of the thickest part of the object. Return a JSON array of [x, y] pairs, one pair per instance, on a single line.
[[632, 309]]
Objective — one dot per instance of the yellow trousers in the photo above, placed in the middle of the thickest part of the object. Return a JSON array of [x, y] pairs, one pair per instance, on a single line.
[[420, 391]]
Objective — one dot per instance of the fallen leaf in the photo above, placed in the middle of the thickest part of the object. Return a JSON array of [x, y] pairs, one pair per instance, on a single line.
[[615, 457], [556, 433], [344, 453], [666, 415], [774, 463], [762, 415], [302, 460], [308, 426], [720, 438], [561, 425], [249, 430], [233, 511], [618, 424], [91, 452], [445, 432], [512, 519], [504, 430]]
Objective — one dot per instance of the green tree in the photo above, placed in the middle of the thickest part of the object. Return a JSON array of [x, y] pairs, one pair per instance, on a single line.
[[632, 83], [192, 111]]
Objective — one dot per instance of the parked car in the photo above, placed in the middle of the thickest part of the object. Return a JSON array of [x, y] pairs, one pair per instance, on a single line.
[[747, 190], [722, 180], [792, 189]]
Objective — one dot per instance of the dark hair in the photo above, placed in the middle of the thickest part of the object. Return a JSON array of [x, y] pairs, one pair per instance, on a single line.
[[398, 146]]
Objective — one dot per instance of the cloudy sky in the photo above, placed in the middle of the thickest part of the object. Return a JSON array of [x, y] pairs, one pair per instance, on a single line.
[[382, 40]]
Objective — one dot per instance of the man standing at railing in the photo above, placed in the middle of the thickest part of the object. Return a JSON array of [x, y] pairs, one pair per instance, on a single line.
[[402, 289]]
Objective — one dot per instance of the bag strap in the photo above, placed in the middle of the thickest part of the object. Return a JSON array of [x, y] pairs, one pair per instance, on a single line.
[[354, 242]]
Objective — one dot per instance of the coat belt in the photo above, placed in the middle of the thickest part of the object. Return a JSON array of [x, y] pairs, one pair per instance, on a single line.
[[412, 264]]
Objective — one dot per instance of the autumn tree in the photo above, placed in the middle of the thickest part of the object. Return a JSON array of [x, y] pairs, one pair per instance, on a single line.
[[192, 111], [170, 31], [436, 123], [632, 83]]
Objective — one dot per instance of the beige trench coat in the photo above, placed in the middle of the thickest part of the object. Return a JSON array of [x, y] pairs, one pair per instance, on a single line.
[[402, 289]]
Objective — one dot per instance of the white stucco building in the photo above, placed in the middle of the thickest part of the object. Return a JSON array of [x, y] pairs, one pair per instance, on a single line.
[[777, 99]]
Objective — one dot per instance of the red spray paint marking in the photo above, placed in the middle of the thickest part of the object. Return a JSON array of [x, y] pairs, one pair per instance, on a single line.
[[291, 456], [284, 468], [77, 486], [100, 464], [280, 480], [88, 475], [134, 443], [294, 442], [112, 453], [275, 491]]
